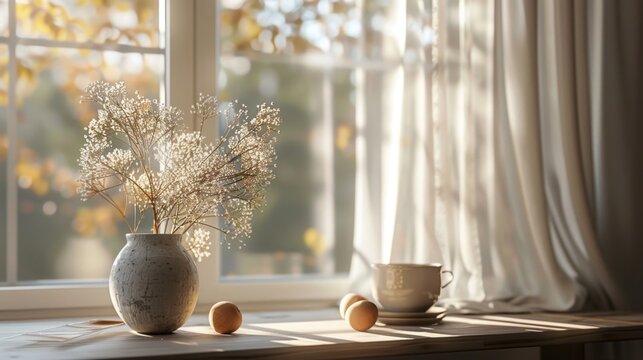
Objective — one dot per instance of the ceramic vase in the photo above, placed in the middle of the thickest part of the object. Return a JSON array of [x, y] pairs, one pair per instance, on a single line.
[[154, 283]]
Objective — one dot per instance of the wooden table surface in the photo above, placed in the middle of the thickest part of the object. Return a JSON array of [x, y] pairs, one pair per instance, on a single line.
[[321, 334]]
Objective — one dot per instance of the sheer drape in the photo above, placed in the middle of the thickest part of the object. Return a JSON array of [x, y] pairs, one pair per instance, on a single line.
[[490, 165]]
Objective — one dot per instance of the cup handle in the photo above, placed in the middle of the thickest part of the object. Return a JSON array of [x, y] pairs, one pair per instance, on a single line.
[[450, 280]]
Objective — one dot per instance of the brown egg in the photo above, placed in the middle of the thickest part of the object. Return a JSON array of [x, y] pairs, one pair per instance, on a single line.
[[348, 300], [225, 317], [362, 315]]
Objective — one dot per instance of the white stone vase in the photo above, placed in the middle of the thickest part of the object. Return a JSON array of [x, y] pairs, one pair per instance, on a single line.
[[154, 284]]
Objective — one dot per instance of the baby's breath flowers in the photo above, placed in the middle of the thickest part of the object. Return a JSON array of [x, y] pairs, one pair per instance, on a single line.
[[140, 148]]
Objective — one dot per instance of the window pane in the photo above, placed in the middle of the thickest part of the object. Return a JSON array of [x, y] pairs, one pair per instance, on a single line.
[[4, 18], [4, 144], [269, 51], [307, 224], [130, 22], [59, 236]]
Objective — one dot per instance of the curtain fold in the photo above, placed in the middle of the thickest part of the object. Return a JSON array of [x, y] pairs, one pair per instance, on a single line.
[[617, 130], [491, 166]]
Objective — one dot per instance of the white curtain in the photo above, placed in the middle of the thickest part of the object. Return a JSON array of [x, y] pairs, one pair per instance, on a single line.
[[486, 161]]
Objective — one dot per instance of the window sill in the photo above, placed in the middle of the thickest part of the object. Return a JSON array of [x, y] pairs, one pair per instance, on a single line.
[[88, 299]]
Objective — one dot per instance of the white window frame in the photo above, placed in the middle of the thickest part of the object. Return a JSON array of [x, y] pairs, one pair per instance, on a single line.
[[191, 68]]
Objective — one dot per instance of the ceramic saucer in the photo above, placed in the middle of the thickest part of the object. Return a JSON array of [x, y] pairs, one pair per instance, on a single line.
[[432, 313], [409, 321], [430, 317]]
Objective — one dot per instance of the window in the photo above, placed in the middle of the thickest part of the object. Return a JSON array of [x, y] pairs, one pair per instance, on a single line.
[[320, 61]]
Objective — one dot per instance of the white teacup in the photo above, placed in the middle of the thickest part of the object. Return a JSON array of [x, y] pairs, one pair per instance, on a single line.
[[408, 287]]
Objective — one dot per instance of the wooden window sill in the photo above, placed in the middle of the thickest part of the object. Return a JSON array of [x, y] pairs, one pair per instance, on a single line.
[[322, 334]]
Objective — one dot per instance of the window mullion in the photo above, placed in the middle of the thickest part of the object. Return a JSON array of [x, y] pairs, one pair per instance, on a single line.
[[191, 69], [12, 133], [180, 55], [326, 145], [204, 74]]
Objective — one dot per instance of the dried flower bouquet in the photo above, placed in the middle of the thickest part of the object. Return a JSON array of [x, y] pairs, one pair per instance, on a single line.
[[139, 156]]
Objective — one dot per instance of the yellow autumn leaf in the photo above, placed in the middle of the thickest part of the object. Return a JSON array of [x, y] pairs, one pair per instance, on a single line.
[[314, 241], [26, 169], [4, 142], [122, 6], [25, 73], [249, 29], [343, 137], [40, 187], [23, 12], [144, 13], [42, 24], [83, 222]]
